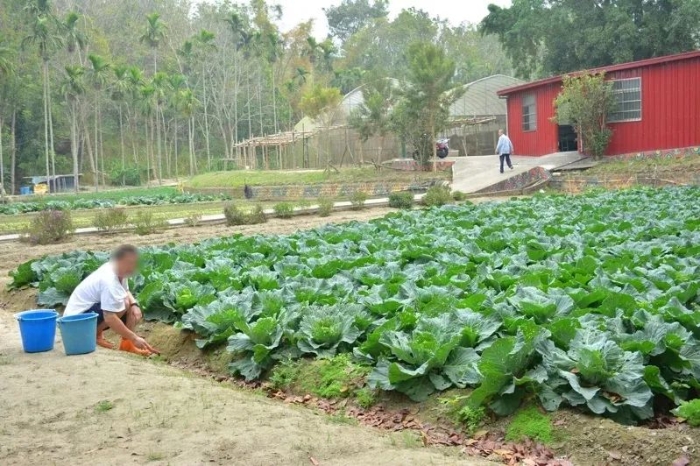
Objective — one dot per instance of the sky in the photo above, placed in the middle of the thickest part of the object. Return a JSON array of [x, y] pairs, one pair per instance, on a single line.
[[456, 11]]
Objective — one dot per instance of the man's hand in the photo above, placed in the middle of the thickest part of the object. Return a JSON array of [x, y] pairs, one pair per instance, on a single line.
[[142, 344], [136, 310]]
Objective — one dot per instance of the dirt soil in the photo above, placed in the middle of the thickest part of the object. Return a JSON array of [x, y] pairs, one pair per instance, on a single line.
[[113, 409]]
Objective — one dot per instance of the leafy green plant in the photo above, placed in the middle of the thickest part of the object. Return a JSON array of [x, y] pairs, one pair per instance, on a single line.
[[324, 328], [146, 224], [530, 423], [459, 196], [437, 196], [402, 200], [357, 200], [109, 220], [234, 215], [193, 220], [256, 216], [284, 210], [690, 411], [325, 207], [471, 418], [51, 226]]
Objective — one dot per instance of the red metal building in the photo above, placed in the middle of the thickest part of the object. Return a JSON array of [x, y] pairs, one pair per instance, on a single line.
[[658, 108]]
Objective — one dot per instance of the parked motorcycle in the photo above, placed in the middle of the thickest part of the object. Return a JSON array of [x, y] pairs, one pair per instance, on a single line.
[[443, 148]]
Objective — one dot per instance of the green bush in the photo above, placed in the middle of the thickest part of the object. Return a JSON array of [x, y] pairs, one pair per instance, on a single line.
[[358, 200], [128, 176], [325, 207], [193, 220], [284, 210], [689, 411], [256, 216], [146, 224], [402, 200], [234, 215], [50, 226], [459, 196], [109, 220], [437, 196]]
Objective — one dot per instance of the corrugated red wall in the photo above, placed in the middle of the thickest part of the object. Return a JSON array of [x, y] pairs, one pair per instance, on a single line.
[[670, 112]]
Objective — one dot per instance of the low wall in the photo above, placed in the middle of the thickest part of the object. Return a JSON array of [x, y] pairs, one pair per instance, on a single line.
[[577, 184], [413, 165], [519, 182], [312, 191]]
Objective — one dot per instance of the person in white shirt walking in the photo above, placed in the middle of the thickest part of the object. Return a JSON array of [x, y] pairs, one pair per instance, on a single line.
[[106, 293], [504, 149]]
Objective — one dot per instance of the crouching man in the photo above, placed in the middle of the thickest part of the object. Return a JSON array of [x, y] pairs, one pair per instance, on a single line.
[[106, 292]]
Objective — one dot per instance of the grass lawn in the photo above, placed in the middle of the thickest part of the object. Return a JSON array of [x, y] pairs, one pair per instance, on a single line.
[[645, 166], [239, 178], [84, 218]]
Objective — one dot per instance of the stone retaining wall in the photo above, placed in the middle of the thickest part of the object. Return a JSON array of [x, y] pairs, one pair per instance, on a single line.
[[519, 182], [310, 192], [413, 165]]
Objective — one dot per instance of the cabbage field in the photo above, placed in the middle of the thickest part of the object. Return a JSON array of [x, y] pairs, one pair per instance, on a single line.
[[589, 301], [15, 208]]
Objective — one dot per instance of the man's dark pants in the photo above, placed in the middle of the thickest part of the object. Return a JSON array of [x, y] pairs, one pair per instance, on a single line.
[[505, 157]]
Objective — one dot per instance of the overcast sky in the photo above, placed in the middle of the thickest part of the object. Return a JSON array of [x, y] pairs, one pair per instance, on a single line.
[[456, 11]]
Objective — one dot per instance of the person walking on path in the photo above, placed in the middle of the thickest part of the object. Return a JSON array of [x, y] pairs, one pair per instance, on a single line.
[[504, 149], [106, 293]]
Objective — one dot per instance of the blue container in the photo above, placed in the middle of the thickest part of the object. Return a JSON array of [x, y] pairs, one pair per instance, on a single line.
[[38, 329], [79, 333], [25, 190]]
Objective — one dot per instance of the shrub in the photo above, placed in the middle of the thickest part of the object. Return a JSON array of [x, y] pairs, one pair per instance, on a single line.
[[471, 418], [234, 215], [50, 226], [256, 216], [358, 200], [689, 411], [437, 196], [109, 220], [284, 210], [325, 207], [129, 176], [193, 220], [459, 196], [146, 224], [402, 200]]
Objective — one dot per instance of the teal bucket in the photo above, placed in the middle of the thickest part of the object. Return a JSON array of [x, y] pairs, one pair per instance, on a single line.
[[38, 329], [79, 333]]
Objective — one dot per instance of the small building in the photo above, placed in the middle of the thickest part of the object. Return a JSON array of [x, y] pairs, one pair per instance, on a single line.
[[56, 184], [657, 108]]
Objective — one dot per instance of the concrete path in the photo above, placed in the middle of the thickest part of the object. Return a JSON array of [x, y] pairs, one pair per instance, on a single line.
[[472, 174]]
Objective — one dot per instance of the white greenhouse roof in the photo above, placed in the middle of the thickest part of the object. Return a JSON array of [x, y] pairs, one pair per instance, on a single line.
[[481, 97]]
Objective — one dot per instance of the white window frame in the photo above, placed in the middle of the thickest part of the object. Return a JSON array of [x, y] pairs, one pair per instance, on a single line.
[[532, 115], [622, 93]]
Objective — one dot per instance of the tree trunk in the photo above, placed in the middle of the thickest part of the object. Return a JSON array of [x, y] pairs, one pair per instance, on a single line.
[[121, 144], [175, 128], [190, 126], [51, 139], [159, 148], [13, 150], [45, 71], [2, 163], [96, 167], [74, 144], [206, 117], [274, 100], [432, 141]]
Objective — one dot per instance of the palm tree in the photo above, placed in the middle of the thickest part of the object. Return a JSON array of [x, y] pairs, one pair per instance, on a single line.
[[73, 87], [6, 71], [205, 44], [153, 34], [120, 89], [44, 36], [99, 70], [146, 100], [135, 83], [186, 104], [74, 38], [176, 84], [159, 85]]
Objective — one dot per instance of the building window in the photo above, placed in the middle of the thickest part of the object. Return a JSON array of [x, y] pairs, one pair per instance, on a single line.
[[529, 113], [628, 100]]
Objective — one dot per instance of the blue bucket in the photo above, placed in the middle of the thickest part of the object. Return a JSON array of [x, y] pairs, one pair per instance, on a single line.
[[79, 333], [38, 329]]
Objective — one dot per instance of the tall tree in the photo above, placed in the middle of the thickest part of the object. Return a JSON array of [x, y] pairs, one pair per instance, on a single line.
[[99, 75], [596, 33], [44, 34], [373, 116], [350, 16], [6, 72], [430, 89], [72, 89], [152, 36]]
